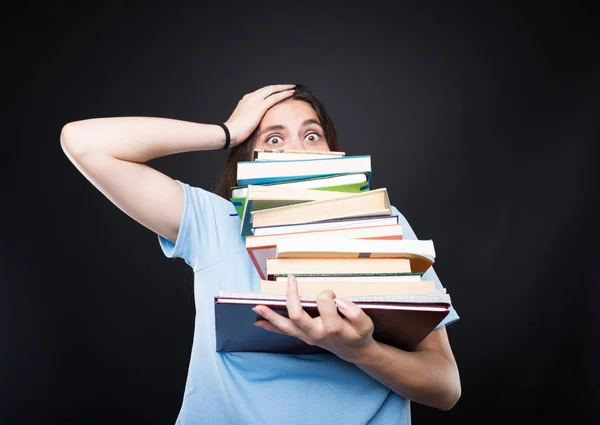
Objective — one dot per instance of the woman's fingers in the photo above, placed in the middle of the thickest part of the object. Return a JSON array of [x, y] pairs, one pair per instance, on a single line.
[[278, 97], [271, 94], [332, 322], [251, 108], [295, 311], [358, 319], [278, 323], [270, 90]]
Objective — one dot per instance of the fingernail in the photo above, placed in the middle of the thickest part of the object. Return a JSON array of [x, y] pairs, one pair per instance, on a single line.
[[342, 305], [256, 310], [291, 279]]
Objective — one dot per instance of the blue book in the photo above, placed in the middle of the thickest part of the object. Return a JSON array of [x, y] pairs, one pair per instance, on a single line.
[[400, 321], [268, 172]]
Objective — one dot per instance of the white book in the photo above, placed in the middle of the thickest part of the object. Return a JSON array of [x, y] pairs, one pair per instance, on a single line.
[[421, 252], [282, 154], [410, 278], [326, 225], [241, 192], [264, 172]]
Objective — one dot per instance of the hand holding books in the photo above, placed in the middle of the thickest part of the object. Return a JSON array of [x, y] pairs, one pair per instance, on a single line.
[[341, 327]]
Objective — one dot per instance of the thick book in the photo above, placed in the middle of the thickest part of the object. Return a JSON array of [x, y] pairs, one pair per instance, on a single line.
[[266, 197], [367, 204], [345, 288], [262, 247], [420, 252], [342, 223], [351, 277], [324, 183], [261, 172], [402, 322], [350, 183], [297, 266], [283, 154]]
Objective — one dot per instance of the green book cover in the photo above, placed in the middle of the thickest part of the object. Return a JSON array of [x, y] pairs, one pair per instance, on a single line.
[[313, 182], [240, 202]]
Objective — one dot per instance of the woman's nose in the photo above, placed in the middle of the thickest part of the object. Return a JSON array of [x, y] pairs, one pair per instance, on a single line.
[[296, 144]]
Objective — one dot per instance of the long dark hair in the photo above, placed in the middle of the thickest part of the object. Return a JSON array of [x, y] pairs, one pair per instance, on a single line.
[[244, 151]]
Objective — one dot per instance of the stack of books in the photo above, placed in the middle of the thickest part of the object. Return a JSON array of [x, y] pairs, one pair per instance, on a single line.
[[314, 215]]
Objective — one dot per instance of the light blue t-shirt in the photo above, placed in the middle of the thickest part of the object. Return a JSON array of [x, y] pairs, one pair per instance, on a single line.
[[263, 388]]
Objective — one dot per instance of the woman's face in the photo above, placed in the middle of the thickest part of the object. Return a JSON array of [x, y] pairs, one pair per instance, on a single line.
[[291, 125]]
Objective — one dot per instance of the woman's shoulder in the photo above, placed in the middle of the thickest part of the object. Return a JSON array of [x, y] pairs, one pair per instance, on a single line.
[[209, 230], [197, 193]]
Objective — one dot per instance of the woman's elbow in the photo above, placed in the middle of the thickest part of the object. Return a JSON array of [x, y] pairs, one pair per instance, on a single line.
[[451, 397], [72, 141]]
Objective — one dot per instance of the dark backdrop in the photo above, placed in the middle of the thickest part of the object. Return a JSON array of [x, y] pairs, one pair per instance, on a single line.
[[482, 122]]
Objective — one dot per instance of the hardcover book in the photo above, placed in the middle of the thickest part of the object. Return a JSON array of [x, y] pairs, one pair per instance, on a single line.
[[263, 172], [366, 204], [350, 183], [261, 248], [402, 322], [288, 154]]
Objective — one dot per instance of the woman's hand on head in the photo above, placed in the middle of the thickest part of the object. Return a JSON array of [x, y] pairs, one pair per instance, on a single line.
[[252, 107]]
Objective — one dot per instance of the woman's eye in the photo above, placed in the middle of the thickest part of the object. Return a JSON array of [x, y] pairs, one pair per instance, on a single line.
[[274, 140], [313, 137]]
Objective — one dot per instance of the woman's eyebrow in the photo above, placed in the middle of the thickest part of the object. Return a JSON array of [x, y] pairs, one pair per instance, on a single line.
[[311, 121], [283, 127], [271, 128]]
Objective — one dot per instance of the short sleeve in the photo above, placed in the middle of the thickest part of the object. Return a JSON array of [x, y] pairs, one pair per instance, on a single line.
[[408, 233], [209, 231]]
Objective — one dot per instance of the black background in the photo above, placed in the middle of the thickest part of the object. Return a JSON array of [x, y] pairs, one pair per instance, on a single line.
[[482, 122]]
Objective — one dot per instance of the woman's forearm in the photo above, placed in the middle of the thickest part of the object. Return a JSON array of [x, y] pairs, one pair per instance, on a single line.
[[140, 139], [425, 377]]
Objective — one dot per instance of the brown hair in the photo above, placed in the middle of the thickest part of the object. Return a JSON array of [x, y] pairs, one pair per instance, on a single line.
[[243, 151]]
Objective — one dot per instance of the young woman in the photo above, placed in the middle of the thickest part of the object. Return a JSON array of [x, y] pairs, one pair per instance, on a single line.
[[361, 381]]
